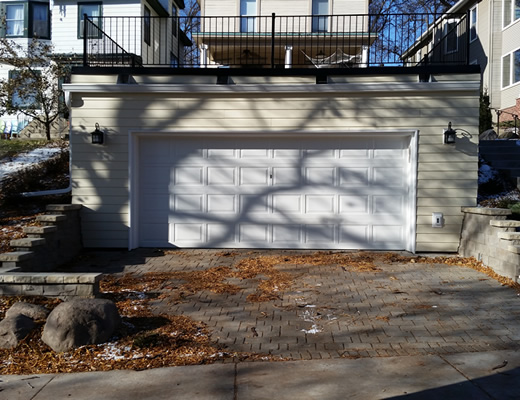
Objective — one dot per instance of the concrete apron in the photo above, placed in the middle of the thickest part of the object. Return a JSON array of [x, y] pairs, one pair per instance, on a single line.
[[485, 375]]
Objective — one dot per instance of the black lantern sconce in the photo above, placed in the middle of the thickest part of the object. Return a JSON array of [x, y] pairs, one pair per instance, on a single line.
[[449, 135], [97, 135]]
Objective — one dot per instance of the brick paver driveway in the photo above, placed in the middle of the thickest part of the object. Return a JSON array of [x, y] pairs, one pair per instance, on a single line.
[[332, 311]]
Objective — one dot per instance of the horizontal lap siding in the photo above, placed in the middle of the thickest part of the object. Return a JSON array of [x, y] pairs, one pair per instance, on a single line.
[[447, 175]]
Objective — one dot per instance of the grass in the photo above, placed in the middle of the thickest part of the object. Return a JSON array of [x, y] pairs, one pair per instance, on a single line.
[[10, 148]]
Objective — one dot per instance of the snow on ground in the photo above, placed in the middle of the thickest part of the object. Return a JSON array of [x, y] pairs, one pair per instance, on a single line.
[[25, 160]]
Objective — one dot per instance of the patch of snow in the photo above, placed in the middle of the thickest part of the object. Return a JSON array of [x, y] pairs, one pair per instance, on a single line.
[[314, 329], [25, 160]]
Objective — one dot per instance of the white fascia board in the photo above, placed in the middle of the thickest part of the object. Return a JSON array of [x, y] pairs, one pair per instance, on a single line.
[[363, 88]]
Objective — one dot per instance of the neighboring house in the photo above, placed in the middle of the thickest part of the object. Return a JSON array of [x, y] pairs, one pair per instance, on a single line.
[[266, 156], [494, 44], [61, 23]]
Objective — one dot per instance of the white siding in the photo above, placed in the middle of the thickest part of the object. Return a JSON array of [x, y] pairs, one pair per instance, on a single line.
[[65, 22]]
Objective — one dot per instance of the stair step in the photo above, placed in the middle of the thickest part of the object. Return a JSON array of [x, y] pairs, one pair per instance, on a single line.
[[63, 207], [504, 223], [514, 249], [39, 230], [509, 235], [51, 218], [16, 256], [27, 242]]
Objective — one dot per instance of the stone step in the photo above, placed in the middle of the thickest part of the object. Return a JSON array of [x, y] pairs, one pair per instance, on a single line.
[[16, 256], [27, 242], [509, 235], [504, 223], [514, 249], [33, 231], [51, 219], [63, 207], [15, 259]]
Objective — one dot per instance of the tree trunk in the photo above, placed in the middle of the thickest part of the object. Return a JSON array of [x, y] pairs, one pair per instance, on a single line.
[[48, 130]]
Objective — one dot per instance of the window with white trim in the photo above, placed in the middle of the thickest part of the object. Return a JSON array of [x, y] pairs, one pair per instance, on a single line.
[[511, 68], [473, 24], [511, 11]]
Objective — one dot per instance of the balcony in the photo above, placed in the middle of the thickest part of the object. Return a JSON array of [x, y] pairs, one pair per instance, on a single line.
[[277, 42]]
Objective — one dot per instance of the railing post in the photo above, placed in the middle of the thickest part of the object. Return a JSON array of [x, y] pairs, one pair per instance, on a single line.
[[273, 17], [85, 57], [468, 34]]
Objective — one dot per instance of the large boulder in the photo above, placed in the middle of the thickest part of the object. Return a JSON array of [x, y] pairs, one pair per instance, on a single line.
[[80, 322], [33, 311], [13, 329]]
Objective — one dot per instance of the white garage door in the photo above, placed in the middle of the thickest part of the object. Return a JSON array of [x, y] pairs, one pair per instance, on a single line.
[[329, 192]]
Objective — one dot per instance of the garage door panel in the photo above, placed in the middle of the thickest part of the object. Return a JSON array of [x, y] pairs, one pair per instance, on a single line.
[[388, 205], [354, 177], [187, 233], [287, 234], [352, 235], [389, 177], [188, 176], [219, 176], [354, 204], [319, 176], [387, 234], [221, 203], [188, 203], [287, 203], [319, 234], [256, 176], [286, 176], [254, 204], [253, 233], [315, 192], [320, 204]]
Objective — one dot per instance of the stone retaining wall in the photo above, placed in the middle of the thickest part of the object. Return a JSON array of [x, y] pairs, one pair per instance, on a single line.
[[50, 284], [490, 237]]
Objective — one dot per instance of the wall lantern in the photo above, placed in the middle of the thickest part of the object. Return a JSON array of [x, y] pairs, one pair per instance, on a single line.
[[449, 135], [97, 135]]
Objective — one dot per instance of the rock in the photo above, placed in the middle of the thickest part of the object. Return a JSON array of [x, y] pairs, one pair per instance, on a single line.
[[33, 311], [80, 322], [13, 329], [490, 134]]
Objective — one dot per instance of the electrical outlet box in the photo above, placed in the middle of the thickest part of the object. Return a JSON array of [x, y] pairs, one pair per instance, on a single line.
[[437, 220]]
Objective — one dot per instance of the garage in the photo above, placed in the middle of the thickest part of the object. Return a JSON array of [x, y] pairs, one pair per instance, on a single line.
[[305, 190]]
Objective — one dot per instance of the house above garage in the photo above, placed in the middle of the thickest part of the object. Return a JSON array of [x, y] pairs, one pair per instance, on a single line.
[[365, 154]]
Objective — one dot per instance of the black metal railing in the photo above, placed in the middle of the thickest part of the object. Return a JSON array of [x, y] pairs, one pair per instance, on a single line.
[[333, 41]]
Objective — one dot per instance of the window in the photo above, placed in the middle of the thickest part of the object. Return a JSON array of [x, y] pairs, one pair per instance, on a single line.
[[25, 19], [93, 11], [146, 26], [248, 15], [473, 24], [511, 69], [450, 36], [320, 12], [24, 96], [511, 11]]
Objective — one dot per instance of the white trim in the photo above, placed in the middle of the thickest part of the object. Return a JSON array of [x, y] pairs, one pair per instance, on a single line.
[[135, 135], [511, 70], [475, 7]]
